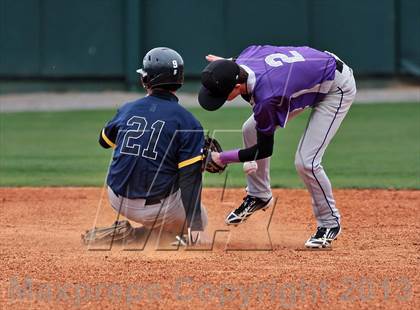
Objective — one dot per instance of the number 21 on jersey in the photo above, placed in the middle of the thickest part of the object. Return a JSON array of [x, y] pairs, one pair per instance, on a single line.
[[277, 59], [138, 125]]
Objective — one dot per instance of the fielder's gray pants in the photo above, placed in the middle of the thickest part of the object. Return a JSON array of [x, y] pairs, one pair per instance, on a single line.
[[168, 215], [323, 123]]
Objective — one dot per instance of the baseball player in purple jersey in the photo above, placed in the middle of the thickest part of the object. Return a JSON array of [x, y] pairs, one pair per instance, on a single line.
[[280, 82]]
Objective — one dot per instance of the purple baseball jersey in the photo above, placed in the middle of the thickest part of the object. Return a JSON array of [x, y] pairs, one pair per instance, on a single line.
[[283, 79]]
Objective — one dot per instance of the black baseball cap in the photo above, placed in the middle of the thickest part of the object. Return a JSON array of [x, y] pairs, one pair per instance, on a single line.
[[219, 79]]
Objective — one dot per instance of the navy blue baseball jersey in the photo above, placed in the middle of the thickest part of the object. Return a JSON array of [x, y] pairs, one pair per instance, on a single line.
[[153, 138]]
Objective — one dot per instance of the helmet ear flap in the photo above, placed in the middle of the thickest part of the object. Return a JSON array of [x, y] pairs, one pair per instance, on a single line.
[[144, 77], [144, 81]]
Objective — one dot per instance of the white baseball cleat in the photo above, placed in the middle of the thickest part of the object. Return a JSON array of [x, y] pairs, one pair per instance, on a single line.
[[323, 237]]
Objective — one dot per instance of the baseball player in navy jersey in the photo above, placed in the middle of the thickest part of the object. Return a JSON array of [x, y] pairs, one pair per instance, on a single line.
[[155, 175], [280, 82]]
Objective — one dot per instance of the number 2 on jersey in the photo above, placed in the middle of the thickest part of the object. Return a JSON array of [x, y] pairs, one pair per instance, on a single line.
[[130, 145], [277, 59]]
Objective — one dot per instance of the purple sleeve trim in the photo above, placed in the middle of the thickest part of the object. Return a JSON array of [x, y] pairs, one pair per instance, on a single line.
[[231, 156]]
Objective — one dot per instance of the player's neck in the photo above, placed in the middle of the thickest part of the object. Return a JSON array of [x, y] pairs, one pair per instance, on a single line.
[[244, 89], [150, 91]]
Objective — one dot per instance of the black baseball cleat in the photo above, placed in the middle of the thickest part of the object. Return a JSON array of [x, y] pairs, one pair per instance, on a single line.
[[323, 237], [248, 207]]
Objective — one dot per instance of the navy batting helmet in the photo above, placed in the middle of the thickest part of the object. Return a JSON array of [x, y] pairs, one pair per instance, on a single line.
[[162, 66]]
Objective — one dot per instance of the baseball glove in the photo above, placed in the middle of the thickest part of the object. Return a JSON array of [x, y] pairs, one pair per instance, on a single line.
[[211, 145], [117, 232]]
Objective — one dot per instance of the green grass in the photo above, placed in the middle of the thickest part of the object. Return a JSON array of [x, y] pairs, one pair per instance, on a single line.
[[378, 146]]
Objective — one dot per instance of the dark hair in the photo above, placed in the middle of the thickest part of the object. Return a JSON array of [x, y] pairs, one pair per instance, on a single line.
[[243, 75]]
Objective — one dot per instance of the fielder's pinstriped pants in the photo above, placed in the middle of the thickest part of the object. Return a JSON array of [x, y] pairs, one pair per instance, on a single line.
[[323, 123]]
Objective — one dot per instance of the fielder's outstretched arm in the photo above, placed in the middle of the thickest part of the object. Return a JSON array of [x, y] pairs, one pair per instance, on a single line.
[[264, 115], [261, 150]]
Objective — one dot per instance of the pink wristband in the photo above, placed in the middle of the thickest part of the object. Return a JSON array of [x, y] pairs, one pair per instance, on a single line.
[[228, 157]]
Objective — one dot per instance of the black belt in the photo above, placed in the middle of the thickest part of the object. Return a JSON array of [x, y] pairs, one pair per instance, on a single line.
[[339, 65], [151, 200], [157, 199]]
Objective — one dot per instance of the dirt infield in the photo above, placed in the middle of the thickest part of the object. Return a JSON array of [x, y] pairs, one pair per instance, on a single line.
[[261, 264]]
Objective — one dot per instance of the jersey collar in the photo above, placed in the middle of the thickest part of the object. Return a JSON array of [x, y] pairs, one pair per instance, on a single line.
[[250, 83], [164, 94]]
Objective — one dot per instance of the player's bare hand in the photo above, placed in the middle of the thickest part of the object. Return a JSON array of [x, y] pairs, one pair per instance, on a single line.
[[216, 158], [211, 57]]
